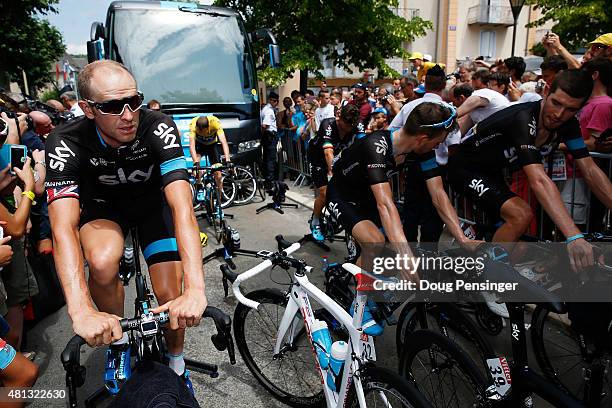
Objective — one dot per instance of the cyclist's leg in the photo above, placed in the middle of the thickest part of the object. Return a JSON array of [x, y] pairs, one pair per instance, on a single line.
[[102, 240], [517, 215], [156, 233]]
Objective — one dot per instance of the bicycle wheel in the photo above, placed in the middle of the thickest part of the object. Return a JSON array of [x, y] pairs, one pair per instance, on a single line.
[[246, 185], [292, 376], [557, 350], [451, 322], [228, 191], [384, 388], [441, 371], [197, 205]]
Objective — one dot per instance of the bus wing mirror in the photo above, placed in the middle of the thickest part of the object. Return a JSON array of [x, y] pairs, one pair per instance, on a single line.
[[97, 31], [275, 57], [95, 50]]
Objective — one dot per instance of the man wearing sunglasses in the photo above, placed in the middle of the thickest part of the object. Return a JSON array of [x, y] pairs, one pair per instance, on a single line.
[[517, 137], [122, 166]]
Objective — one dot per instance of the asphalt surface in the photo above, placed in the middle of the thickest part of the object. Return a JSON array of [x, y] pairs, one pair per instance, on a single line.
[[235, 386]]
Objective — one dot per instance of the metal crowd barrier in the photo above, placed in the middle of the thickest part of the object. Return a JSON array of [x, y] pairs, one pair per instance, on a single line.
[[293, 156]]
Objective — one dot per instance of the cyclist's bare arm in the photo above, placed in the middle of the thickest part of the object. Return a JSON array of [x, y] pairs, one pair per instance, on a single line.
[[580, 251], [597, 180], [329, 159], [95, 327], [192, 150], [186, 310], [445, 208], [471, 103], [224, 145], [389, 217], [465, 124]]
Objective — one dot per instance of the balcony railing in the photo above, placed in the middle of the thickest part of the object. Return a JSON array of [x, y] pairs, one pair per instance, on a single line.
[[490, 15]]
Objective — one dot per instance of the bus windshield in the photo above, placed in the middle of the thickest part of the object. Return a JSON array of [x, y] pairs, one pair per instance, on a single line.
[[184, 58]]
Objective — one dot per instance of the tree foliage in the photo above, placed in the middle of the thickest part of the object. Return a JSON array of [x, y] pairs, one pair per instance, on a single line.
[[350, 33], [577, 22], [28, 42]]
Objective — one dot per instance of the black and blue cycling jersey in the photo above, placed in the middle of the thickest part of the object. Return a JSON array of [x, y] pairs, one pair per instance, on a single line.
[[123, 184]]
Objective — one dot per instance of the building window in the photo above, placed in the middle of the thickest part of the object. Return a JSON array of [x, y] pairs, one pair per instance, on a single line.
[[487, 44]]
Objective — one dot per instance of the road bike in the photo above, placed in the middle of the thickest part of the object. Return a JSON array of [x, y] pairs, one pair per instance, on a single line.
[[273, 332]]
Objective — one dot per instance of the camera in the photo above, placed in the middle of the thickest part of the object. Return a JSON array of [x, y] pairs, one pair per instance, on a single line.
[[12, 115], [277, 191]]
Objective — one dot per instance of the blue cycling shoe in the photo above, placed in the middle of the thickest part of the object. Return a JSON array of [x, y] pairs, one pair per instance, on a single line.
[[370, 326], [186, 378], [118, 367], [316, 232]]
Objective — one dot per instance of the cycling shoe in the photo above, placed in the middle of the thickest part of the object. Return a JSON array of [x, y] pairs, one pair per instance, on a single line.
[[186, 378], [370, 326], [118, 367], [316, 232]]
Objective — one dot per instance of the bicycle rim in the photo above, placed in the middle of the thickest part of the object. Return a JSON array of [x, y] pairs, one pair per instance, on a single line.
[[228, 191], [559, 356], [196, 204], [442, 373], [292, 376], [246, 186]]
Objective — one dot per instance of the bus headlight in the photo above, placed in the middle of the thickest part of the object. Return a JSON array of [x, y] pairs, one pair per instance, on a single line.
[[248, 145]]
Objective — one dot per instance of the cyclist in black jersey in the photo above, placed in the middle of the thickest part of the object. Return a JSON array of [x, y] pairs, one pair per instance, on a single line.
[[118, 166], [359, 193], [517, 137], [333, 135]]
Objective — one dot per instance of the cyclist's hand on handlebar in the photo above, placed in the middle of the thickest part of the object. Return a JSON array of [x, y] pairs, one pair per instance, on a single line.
[[186, 310], [580, 254], [97, 328]]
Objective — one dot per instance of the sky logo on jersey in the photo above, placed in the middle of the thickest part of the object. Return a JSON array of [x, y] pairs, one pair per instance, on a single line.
[[381, 146], [477, 186], [58, 158], [137, 176], [333, 207], [164, 132], [533, 127]]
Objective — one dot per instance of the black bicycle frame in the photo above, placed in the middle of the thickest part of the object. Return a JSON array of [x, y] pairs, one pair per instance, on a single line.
[[524, 380]]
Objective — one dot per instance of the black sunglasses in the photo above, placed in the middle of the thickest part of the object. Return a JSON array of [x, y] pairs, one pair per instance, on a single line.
[[116, 106]]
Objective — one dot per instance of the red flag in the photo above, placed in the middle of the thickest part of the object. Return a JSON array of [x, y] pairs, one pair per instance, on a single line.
[[56, 72]]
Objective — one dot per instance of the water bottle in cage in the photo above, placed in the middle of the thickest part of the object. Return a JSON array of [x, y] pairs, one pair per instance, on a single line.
[[235, 237]]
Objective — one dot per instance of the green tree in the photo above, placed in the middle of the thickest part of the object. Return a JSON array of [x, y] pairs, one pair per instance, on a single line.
[[576, 21], [28, 42], [366, 30]]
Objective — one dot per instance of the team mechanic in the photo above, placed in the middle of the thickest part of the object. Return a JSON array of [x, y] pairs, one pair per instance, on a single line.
[[120, 166], [518, 137]]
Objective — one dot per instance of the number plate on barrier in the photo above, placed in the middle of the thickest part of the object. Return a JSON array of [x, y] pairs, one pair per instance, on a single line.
[[368, 351], [500, 372]]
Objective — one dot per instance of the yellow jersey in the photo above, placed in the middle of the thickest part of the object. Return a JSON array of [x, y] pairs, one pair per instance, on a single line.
[[211, 134], [426, 67]]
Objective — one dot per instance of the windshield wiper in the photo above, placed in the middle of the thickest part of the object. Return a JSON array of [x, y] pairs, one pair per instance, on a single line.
[[200, 11]]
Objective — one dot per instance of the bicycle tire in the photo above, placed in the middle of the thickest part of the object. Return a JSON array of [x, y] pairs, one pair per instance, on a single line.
[[433, 378], [228, 191], [195, 203], [391, 388], [246, 185], [250, 350], [554, 357], [462, 330]]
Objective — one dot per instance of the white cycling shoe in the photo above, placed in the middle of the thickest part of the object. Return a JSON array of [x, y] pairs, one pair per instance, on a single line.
[[499, 309]]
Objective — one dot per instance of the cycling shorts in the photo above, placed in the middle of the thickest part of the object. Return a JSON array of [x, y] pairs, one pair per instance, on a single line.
[[210, 151], [319, 175], [7, 354], [488, 189], [348, 212], [150, 214]]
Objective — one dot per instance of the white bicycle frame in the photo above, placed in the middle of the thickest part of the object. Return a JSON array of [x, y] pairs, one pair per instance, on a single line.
[[299, 301]]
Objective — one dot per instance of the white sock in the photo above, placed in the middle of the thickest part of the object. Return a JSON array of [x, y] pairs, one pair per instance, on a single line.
[[122, 340], [315, 221], [176, 362]]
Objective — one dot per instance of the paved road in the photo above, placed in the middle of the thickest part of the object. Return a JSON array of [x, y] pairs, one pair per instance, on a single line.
[[235, 387]]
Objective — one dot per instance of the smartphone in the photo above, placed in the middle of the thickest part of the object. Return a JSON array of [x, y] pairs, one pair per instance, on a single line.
[[12, 154]]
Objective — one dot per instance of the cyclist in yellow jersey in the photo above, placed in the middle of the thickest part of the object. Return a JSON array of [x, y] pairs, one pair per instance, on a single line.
[[205, 132]]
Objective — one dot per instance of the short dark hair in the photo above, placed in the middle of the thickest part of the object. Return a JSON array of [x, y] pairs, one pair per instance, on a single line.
[[295, 93], [322, 92], [501, 78], [553, 63], [464, 89], [153, 102], [273, 95], [603, 66], [309, 92], [350, 114], [202, 122], [286, 98], [517, 64], [428, 113], [435, 79], [409, 78], [482, 74], [577, 83]]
